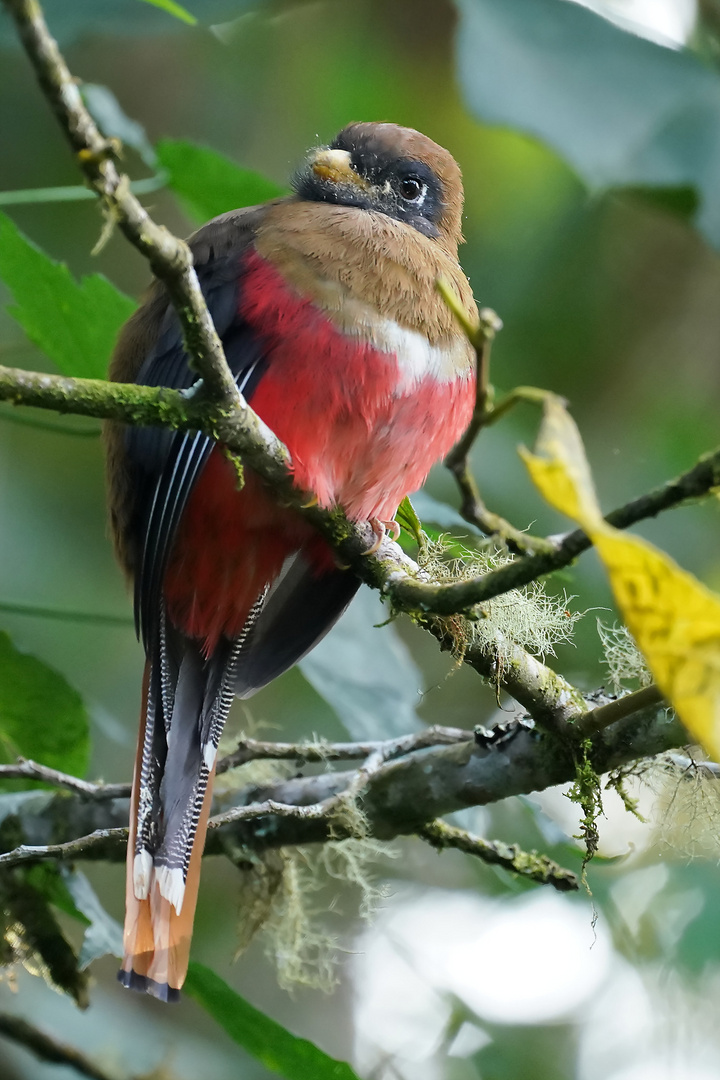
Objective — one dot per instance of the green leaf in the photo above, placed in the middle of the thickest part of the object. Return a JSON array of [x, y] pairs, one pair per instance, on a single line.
[[75, 324], [275, 1047], [623, 111], [365, 672], [409, 520], [173, 9], [209, 183], [41, 716], [48, 879]]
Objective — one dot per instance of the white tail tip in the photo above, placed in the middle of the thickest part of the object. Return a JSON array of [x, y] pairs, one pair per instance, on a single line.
[[171, 884], [142, 873]]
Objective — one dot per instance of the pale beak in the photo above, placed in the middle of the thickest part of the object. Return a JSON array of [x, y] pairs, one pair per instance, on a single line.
[[335, 166]]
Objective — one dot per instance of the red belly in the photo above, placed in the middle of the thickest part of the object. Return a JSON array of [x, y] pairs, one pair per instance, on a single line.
[[333, 400]]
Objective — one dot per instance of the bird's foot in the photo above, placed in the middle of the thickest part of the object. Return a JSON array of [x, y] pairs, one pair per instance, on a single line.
[[380, 529]]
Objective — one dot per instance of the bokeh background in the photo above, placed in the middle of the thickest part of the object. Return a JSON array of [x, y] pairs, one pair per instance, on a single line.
[[608, 290]]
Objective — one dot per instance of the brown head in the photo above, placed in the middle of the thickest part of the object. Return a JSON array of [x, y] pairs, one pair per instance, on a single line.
[[391, 170]]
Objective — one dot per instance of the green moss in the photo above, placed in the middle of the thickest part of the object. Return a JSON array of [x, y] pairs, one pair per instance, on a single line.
[[586, 791], [617, 780], [236, 462]]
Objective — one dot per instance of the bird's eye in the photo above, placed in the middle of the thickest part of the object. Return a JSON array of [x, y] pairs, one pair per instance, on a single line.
[[412, 189]]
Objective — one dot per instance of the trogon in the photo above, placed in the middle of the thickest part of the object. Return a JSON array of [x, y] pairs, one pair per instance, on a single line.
[[327, 307]]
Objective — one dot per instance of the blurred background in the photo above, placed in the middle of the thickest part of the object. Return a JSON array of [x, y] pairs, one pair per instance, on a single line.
[[609, 296]]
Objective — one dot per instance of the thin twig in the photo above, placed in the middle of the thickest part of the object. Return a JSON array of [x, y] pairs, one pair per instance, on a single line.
[[318, 751], [36, 611], [528, 864], [449, 599], [598, 719], [327, 809], [76, 192], [25, 769], [47, 1048], [706, 768], [101, 840], [472, 508]]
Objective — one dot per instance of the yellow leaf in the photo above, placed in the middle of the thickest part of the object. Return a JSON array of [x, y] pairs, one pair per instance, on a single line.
[[673, 617]]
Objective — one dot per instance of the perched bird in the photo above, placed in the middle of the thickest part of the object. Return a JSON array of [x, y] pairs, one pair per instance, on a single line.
[[327, 308]]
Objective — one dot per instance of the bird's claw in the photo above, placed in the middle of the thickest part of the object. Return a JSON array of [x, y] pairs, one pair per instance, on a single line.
[[380, 529]]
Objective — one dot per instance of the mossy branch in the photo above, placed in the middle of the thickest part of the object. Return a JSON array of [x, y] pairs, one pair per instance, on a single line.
[[399, 796], [528, 864]]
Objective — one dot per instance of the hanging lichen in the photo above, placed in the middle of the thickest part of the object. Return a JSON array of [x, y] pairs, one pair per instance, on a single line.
[[528, 617]]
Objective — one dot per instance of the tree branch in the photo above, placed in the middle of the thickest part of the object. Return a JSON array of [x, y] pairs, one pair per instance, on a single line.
[[494, 852], [25, 769], [481, 336], [448, 599], [400, 795], [320, 751], [47, 1048], [169, 257]]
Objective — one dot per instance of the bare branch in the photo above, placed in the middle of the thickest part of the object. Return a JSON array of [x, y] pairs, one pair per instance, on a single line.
[[25, 769], [612, 711], [319, 751], [99, 844], [481, 336]]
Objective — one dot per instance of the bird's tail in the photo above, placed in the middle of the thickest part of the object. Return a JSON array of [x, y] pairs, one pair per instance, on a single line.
[[186, 699]]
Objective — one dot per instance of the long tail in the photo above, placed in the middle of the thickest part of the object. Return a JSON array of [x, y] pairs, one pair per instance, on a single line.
[[186, 699]]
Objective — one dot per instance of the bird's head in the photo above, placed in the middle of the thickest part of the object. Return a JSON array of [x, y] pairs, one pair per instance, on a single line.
[[390, 170]]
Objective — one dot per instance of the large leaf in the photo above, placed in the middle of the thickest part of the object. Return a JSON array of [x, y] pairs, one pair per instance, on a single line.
[[103, 935], [621, 110], [366, 673], [673, 617], [74, 323], [277, 1049], [208, 183], [41, 716]]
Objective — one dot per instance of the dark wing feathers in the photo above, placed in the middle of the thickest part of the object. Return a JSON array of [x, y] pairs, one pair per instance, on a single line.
[[298, 612], [166, 464], [190, 694]]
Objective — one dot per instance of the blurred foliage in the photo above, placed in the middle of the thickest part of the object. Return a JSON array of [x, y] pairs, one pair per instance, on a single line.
[[41, 715], [621, 110], [74, 324], [208, 183], [591, 166], [281, 1052], [545, 1052]]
